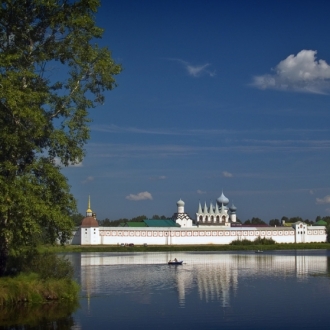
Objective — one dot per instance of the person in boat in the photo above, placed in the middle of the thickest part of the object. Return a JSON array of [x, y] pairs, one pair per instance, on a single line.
[[175, 260]]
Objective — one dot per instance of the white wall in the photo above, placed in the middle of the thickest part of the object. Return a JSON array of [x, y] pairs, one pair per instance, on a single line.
[[186, 236], [90, 236]]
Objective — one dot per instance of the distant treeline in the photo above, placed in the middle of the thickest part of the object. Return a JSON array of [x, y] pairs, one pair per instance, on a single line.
[[77, 218]]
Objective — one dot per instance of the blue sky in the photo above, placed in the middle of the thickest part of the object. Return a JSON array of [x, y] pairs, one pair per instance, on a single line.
[[214, 95]]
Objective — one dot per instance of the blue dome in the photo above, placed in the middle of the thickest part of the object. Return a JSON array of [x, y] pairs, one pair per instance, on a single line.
[[223, 199], [233, 208]]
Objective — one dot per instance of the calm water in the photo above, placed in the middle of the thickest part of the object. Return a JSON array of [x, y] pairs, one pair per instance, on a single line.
[[210, 291], [243, 290]]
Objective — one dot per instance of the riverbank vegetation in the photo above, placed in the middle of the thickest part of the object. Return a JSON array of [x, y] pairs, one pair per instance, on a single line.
[[258, 241], [37, 278], [182, 248], [33, 289]]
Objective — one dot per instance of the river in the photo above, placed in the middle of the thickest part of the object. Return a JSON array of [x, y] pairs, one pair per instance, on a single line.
[[219, 290]]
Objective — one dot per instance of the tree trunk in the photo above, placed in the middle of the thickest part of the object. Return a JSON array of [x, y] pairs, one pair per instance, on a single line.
[[3, 253]]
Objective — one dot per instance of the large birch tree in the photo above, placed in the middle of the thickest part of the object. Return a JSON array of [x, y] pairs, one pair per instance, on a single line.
[[52, 73]]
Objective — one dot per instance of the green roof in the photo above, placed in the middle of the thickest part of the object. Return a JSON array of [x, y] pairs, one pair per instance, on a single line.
[[320, 223], [161, 223], [136, 224]]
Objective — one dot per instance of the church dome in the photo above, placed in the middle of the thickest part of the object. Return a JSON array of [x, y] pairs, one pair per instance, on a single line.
[[89, 222], [223, 199], [180, 202], [233, 208]]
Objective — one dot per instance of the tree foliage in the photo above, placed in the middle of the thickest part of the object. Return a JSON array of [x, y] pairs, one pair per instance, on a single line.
[[275, 222], [254, 221], [52, 73]]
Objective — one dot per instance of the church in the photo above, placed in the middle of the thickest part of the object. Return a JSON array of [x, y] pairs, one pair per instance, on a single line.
[[218, 215], [214, 224]]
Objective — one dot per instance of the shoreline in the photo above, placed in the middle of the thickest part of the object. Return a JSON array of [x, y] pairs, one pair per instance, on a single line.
[[29, 288], [183, 248]]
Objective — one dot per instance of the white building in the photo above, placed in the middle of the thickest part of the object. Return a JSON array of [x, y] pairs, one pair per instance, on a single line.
[[218, 215], [214, 225]]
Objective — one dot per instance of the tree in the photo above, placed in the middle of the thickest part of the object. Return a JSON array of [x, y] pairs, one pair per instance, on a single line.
[[52, 73], [295, 219], [77, 218], [275, 222], [105, 223], [139, 218], [157, 217], [254, 221]]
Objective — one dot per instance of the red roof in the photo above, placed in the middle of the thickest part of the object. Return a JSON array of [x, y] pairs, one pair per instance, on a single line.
[[89, 222]]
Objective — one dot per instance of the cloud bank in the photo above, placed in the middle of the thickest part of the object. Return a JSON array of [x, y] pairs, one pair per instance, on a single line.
[[300, 73], [140, 196]]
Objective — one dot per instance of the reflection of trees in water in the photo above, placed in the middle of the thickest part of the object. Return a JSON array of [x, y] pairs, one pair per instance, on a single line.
[[45, 316], [328, 266]]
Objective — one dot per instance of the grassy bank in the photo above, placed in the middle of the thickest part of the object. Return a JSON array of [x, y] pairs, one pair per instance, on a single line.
[[31, 288], [170, 248]]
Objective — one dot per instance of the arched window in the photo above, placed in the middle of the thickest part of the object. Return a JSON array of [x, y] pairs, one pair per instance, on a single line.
[[218, 219], [212, 218], [200, 218], [206, 219]]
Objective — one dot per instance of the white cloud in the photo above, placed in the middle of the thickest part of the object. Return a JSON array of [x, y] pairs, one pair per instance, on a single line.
[[301, 73], [88, 179], [201, 192], [324, 200], [139, 197], [227, 174], [196, 70]]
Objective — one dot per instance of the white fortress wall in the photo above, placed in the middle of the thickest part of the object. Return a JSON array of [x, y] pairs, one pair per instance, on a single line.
[[191, 236]]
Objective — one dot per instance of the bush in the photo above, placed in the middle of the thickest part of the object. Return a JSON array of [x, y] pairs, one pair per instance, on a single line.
[[46, 265], [30, 288], [257, 241], [241, 242], [264, 241]]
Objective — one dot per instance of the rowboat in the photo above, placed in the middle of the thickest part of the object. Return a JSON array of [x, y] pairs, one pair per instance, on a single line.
[[175, 262]]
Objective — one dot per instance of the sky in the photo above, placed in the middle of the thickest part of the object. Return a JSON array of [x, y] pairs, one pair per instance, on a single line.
[[214, 96]]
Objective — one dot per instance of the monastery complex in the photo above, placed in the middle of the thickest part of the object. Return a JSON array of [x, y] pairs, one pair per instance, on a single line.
[[214, 224]]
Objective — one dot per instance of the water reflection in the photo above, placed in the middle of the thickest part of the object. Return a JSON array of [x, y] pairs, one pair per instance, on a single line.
[[214, 275], [240, 290], [45, 316]]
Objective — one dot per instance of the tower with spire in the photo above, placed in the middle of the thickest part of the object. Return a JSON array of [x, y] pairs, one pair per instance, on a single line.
[[89, 211], [89, 229]]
